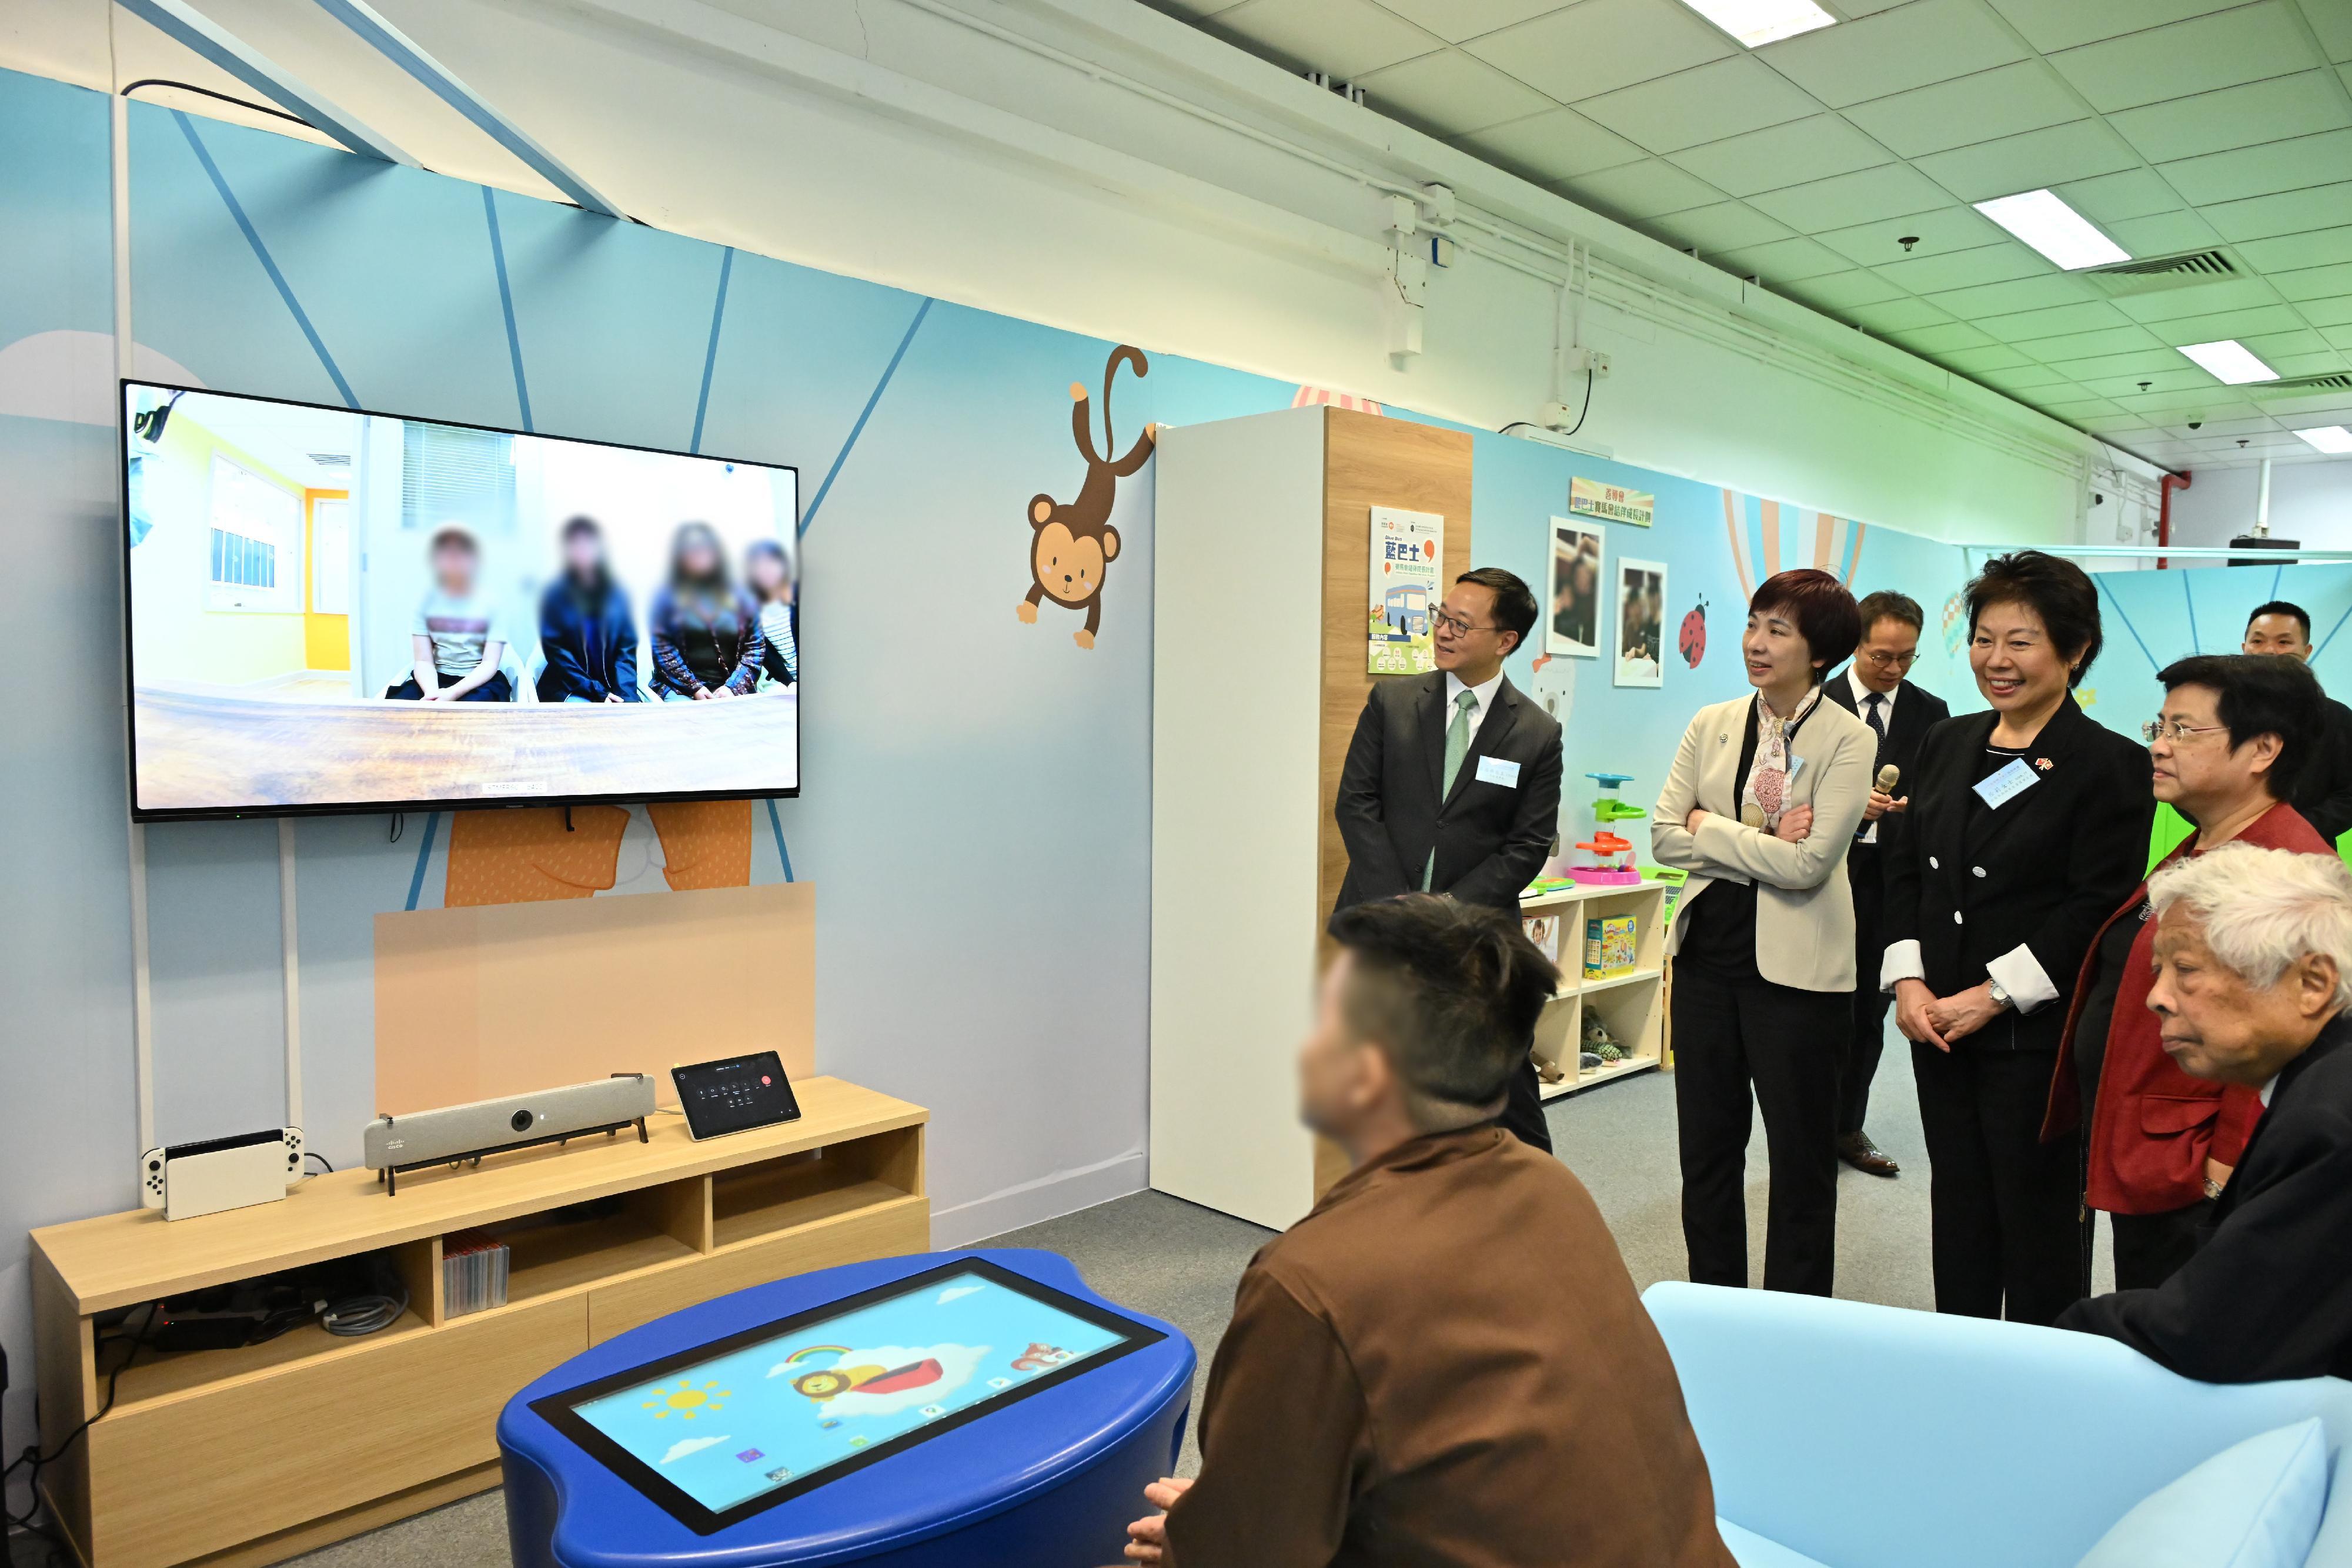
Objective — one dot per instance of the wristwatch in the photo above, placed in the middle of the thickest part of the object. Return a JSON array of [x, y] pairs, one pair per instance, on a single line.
[[2000, 997]]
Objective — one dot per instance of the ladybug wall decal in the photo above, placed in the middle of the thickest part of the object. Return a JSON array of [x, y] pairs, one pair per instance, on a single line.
[[1693, 638]]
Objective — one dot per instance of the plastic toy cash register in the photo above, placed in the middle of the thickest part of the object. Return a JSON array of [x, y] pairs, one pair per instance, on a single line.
[[954, 1408]]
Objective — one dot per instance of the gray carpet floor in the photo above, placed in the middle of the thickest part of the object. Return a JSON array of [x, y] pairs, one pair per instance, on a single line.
[[1177, 1261]]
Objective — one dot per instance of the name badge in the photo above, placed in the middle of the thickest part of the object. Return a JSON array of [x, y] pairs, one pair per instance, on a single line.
[[1495, 770], [2007, 785]]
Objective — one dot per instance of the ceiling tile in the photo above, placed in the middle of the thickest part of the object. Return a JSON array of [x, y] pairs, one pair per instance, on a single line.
[[1705, 103], [2140, 364], [1964, 269], [2335, 312], [2004, 102], [1602, 45], [2129, 383], [1345, 37], [2333, 22], [2320, 247], [1836, 290], [2023, 378], [2314, 282], [1944, 341], [2086, 316], [1893, 51], [2247, 44], [1937, 232], [2263, 171], [2050, 27], [2340, 336], [1781, 261], [1557, 144], [2273, 347], [1802, 150], [1449, 94], [1843, 200], [1455, 20], [1726, 226], [2079, 150], [1976, 362], [2110, 198], [2258, 111], [2288, 212], [2018, 294], [2161, 234], [2074, 345], [2081, 408], [1649, 189], [2199, 299], [1904, 315]]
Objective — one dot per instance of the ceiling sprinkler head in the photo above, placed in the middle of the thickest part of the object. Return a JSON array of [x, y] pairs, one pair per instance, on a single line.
[[1906, 242]]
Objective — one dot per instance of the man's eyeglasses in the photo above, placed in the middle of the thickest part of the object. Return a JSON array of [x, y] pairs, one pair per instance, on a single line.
[[1882, 661], [2157, 729], [1455, 624]]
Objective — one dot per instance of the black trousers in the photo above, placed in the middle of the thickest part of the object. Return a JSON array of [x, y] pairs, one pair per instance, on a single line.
[[1523, 1111], [497, 689], [2008, 1229], [1868, 1038], [1782, 1046], [2150, 1248]]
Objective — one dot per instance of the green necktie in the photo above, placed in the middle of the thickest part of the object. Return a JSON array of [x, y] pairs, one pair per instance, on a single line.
[[1458, 748]]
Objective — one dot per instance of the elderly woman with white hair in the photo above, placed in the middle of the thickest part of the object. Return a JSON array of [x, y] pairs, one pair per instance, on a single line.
[[2253, 975]]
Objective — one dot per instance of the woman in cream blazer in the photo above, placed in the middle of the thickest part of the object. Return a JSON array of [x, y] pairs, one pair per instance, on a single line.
[[1766, 795]]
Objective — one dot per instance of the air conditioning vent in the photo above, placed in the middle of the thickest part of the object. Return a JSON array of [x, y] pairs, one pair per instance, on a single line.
[[2161, 272], [2334, 380], [332, 459]]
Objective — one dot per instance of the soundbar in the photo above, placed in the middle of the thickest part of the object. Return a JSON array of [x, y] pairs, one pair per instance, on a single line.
[[459, 1133]]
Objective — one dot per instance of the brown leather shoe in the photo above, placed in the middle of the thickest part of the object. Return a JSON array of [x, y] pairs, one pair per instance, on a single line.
[[1857, 1150]]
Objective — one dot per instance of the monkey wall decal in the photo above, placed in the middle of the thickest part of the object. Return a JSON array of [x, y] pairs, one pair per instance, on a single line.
[[1071, 547]]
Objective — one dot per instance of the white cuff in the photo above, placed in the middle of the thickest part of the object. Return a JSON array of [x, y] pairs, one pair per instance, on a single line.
[[2020, 974], [1902, 963]]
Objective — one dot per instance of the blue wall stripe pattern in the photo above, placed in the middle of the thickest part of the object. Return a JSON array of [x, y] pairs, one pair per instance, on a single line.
[[423, 859], [2196, 644], [2331, 631], [505, 303], [711, 354], [776, 825], [864, 414], [261, 253], [2101, 580]]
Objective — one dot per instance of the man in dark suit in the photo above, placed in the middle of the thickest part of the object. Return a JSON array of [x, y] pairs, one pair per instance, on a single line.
[[2253, 955], [1452, 782], [2324, 793], [1876, 689]]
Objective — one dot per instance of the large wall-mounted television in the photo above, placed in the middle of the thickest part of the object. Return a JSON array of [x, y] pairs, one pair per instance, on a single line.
[[338, 611]]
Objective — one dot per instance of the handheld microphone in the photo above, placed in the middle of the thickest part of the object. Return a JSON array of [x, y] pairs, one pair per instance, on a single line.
[[1889, 777]]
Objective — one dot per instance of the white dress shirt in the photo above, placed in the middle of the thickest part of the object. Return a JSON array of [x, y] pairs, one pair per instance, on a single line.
[[1485, 693], [1862, 695]]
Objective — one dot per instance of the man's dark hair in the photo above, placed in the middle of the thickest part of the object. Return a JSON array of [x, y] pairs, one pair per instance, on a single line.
[[2280, 607], [2054, 588], [1451, 990], [1515, 601], [1820, 605], [2257, 696], [1888, 605]]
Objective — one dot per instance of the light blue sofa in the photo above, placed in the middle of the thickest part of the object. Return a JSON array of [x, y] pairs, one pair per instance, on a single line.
[[1842, 1435]]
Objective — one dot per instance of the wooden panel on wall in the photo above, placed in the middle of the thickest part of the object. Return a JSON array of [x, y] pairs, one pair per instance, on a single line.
[[506, 999], [1370, 460]]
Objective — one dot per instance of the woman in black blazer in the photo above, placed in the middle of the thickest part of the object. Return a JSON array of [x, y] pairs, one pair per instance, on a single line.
[[2028, 826]]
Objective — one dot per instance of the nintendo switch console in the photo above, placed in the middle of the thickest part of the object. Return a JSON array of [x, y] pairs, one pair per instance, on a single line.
[[191, 1179]]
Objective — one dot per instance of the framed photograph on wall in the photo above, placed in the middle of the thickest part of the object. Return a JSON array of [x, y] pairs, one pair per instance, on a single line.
[[1574, 617], [1641, 622]]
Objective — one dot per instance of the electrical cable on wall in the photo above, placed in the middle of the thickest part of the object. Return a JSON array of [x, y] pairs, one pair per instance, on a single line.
[[224, 98]]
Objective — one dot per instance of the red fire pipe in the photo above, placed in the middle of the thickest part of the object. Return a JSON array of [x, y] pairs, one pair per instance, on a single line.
[[2164, 510]]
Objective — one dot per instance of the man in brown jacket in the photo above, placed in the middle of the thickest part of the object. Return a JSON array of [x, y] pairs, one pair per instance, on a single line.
[[1445, 1362]]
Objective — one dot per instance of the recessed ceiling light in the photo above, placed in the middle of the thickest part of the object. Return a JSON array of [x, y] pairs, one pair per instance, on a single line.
[[2230, 360], [1759, 22], [2333, 439], [2054, 229]]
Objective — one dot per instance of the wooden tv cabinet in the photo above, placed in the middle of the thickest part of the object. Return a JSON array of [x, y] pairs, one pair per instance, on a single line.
[[250, 1455]]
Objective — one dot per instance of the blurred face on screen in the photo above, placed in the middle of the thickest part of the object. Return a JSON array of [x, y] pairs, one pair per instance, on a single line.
[[453, 567], [2276, 634], [583, 552], [766, 573]]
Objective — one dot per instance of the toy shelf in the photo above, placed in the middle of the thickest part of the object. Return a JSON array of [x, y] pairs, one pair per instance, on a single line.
[[246, 1456], [1631, 1002]]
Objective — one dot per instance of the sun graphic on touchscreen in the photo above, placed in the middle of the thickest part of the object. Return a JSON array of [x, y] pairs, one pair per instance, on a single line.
[[687, 1401]]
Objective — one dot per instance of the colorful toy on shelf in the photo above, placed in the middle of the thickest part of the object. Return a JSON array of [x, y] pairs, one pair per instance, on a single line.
[[1607, 858], [1599, 1041], [1609, 945]]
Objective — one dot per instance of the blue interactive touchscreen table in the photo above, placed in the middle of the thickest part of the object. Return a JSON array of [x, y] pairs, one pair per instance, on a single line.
[[910, 1411]]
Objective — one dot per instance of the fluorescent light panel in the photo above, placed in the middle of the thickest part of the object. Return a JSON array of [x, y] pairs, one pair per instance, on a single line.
[[2230, 360], [2332, 439], [2054, 229], [1759, 22]]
